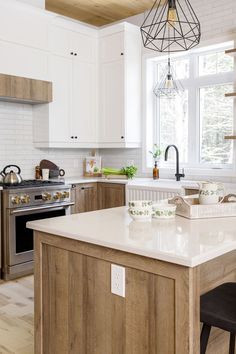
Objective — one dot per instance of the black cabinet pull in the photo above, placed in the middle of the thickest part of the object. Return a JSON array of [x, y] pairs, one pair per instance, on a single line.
[[75, 54], [72, 137], [121, 53], [71, 53], [76, 137], [122, 137]]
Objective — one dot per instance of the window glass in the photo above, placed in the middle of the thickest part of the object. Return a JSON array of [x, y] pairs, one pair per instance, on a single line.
[[202, 116], [174, 125], [180, 69], [216, 121], [215, 63]]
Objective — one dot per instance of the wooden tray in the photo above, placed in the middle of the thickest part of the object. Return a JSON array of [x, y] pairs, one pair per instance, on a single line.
[[190, 208]]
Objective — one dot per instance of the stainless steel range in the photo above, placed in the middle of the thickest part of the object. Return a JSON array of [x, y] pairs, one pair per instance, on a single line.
[[30, 200]]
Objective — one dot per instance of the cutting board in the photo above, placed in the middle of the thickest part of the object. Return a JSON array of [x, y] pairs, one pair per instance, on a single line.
[[53, 169]]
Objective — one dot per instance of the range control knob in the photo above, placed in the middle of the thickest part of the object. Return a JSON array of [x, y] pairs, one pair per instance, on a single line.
[[15, 200], [46, 196], [24, 199], [57, 196], [65, 195]]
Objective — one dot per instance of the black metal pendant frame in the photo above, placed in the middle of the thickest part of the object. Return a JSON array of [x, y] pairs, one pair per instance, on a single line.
[[162, 90], [161, 34]]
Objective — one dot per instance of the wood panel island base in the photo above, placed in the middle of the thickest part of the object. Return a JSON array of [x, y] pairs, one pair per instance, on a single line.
[[75, 311]]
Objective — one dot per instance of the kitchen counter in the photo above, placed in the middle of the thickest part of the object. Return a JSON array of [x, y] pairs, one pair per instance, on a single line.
[[166, 266], [179, 241], [148, 183]]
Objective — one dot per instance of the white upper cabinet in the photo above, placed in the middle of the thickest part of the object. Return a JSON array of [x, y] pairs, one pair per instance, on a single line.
[[22, 24], [83, 120], [23, 61], [120, 86], [70, 43], [111, 47], [72, 118]]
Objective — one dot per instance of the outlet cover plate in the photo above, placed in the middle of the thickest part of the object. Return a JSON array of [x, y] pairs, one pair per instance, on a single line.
[[118, 280]]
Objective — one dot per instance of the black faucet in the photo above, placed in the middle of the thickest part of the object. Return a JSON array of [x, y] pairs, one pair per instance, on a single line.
[[177, 175]]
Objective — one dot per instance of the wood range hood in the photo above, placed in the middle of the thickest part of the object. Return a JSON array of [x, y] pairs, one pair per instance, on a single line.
[[24, 90]]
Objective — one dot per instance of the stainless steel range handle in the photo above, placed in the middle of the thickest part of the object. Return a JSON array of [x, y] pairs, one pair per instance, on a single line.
[[58, 206]]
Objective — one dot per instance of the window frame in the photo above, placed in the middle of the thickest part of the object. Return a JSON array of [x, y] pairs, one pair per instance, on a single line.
[[150, 109]]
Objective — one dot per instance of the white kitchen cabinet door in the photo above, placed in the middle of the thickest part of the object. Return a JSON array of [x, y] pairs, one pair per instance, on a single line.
[[60, 70], [111, 117], [19, 24], [111, 47], [23, 61], [120, 87], [84, 47], [59, 41], [84, 102]]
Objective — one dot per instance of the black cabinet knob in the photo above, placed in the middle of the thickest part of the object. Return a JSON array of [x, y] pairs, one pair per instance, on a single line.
[[71, 53], [72, 137], [75, 54], [76, 137], [121, 53], [122, 137]]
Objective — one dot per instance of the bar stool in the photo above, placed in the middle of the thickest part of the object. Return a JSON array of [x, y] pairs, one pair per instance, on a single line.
[[218, 309]]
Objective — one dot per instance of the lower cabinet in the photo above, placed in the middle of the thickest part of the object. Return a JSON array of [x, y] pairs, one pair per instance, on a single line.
[[110, 195], [85, 197], [95, 196]]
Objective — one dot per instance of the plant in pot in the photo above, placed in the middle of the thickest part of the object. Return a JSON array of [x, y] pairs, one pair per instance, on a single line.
[[156, 154]]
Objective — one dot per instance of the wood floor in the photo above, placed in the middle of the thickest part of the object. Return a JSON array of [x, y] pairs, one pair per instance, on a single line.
[[16, 316]]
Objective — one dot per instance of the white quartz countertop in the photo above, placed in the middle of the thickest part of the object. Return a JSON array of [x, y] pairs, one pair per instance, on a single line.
[[80, 180], [180, 241]]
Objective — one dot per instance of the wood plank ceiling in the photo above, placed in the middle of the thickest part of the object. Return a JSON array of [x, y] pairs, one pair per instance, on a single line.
[[99, 12]]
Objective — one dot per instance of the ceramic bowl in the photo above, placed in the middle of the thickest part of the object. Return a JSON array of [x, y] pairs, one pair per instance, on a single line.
[[140, 203], [163, 211], [141, 213]]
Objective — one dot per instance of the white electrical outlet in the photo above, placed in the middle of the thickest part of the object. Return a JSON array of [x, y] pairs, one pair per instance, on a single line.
[[118, 280]]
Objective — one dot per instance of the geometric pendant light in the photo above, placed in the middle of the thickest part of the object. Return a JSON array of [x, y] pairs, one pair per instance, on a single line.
[[168, 87], [171, 26]]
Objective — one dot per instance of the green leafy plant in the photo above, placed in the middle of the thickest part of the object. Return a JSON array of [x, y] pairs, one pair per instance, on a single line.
[[156, 152]]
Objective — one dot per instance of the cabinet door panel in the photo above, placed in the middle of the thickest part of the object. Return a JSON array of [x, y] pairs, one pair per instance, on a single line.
[[86, 197], [111, 47], [59, 41], [112, 102], [23, 61], [111, 195], [60, 70], [84, 46], [23, 26], [84, 112]]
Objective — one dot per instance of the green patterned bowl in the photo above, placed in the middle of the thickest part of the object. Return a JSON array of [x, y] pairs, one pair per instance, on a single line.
[[163, 211]]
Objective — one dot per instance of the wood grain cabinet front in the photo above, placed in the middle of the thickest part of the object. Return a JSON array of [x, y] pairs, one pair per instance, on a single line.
[[85, 197], [111, 195]]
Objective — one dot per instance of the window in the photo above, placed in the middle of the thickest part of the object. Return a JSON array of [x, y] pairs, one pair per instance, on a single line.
[[197, 121]]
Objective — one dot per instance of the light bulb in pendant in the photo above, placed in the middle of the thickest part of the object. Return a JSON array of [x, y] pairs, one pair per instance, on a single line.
[[172, 13], [169, 82]]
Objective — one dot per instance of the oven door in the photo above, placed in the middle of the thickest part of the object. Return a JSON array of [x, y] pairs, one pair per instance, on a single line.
[[20, 241]]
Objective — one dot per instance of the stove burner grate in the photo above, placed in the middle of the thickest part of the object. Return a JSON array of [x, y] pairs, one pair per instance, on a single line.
[[31, 183]]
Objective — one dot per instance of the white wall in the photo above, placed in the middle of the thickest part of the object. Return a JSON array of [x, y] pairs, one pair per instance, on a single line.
[[37, 3], [16, 136]]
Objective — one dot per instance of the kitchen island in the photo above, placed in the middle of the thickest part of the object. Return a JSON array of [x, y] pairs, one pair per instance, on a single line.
[[168, 265]]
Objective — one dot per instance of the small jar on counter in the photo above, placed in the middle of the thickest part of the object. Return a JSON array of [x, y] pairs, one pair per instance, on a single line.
[[155, 172], [37, 172]]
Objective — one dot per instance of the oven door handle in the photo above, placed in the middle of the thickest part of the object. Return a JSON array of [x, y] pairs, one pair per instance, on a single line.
[[18, 211]]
